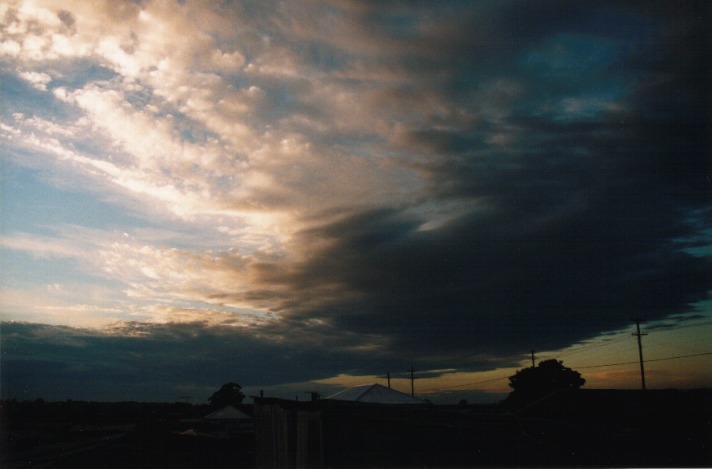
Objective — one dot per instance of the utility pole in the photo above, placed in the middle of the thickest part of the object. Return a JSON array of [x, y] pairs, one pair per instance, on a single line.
[[389, 379], [638, 334], [412, 382], [532, 352]]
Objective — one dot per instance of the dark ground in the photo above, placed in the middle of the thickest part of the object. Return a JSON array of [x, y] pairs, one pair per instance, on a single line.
[[113, 435], [585, 429]]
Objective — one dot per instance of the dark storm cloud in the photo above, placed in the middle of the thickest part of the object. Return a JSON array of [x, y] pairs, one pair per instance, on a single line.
[[495, 284], [573, 230]]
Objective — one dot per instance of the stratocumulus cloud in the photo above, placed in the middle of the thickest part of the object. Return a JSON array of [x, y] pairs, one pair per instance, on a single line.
[[357, 185]]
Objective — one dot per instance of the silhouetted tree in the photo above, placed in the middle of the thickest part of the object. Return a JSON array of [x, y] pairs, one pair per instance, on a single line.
[[228, 394], [548, 376]]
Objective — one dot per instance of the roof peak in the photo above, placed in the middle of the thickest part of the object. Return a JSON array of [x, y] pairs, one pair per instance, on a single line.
[[375, 393]]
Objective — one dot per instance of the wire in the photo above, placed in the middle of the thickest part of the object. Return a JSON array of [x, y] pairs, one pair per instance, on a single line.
[[647, 361], [622, 338], [588, 348], [579, 367], [468, 384], [686, 346], [679, 356]]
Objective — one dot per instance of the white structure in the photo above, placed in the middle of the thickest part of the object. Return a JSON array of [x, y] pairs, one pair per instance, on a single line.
[[228, 413], [229, 420], [375, 394]]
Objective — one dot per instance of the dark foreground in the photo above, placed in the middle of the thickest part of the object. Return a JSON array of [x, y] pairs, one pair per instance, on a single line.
[[599, 428], [117, 435], [137, 449], [594, 428]]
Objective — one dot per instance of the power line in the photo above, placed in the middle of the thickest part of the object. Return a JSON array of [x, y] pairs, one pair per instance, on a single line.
[[647, 361], [607, 355], [622, 338], [469, 384], [685, 345], [679, 356], [589, 347], [579, 367]]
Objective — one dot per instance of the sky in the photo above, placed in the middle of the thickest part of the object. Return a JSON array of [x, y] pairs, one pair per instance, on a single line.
[[307, 195]]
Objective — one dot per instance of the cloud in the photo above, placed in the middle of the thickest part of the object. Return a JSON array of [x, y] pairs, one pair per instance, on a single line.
[[41, 247], [214, 146], [494, 284], [557, 241], [134, 360], [186, 281], [37, 79], [380, 183]]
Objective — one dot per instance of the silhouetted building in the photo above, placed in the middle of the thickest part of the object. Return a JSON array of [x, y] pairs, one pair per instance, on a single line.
[[341, 433], [604, 428]]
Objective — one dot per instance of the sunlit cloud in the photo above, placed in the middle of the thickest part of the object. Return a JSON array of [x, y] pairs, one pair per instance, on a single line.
[[41, 246], [36, 79]]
